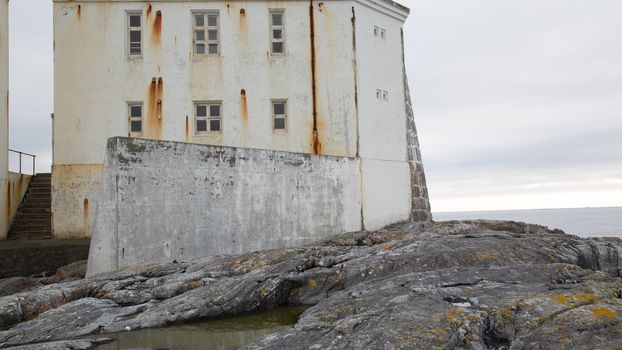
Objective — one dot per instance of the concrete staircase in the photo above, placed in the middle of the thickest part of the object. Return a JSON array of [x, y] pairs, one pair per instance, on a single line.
[[34, 216]]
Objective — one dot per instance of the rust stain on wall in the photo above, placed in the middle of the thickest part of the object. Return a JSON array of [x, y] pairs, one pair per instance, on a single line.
[[154, 109], [156, 34], [244, 108], [8, 203], [356, 83], [85, 209], [79, 11], [149, 9], [187, 129], [315, 141]]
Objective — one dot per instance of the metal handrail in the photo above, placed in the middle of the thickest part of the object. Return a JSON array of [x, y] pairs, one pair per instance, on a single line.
[[20, 159]]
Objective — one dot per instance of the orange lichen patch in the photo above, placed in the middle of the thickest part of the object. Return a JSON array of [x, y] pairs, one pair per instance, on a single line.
[[244, 108], [156, 34], [603, 312], [565, 340], [312, 283], [574, 299], [187, 129], [154, 109]]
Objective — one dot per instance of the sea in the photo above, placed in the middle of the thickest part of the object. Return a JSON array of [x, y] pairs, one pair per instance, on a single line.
[[584, 222]]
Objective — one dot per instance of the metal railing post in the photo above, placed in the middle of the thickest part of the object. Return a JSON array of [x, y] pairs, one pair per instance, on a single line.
[[21, 154], [20, 162], [33, 165]]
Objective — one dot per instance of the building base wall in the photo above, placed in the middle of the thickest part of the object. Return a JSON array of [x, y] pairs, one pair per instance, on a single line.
[[74, 189], [13, 190], [386, 192], [164, 201]]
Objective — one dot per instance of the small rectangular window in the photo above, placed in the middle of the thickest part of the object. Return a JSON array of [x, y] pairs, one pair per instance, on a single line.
[[208, 117], [385, 96], [134, 23], [206, 33], [383, 33], [378, 94], [135, 119], [376, 31], [277, 31], [279, 115]]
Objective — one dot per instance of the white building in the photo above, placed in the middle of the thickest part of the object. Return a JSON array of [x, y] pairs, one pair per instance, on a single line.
[[324, 77], [5, 210]]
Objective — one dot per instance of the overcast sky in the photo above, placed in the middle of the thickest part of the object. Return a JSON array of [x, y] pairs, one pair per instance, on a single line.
[[518, 102]]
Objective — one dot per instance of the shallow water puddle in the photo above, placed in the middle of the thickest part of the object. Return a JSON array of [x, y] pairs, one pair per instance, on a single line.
[[221, 334]]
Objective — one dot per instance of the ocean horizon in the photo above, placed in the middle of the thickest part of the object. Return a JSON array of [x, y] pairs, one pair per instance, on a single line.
[[583, 222]]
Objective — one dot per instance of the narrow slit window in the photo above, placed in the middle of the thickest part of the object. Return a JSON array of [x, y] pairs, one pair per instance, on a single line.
[[279, 115], [385, 96], [379, 94], [208, 117], [376, 31], [383, 34], [206, 33], [277, 32], [135, 33], [135, 119]]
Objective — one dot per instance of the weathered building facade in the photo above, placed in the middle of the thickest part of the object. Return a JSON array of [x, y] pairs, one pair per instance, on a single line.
[[315, 77], [5, 187]]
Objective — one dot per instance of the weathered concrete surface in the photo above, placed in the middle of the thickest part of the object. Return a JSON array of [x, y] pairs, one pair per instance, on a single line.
[[471, 285], [165, 201], [74, 191], [26, 258]]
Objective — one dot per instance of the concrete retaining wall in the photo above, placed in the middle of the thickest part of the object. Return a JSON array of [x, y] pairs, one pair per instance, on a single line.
[[164, 201], [4, 121]]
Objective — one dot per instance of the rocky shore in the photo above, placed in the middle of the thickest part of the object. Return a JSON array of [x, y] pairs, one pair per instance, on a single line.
[[469, 285]]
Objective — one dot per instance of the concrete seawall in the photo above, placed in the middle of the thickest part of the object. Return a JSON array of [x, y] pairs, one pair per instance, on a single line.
[[164, 201]]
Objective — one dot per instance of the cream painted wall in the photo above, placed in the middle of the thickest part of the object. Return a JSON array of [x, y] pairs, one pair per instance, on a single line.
[[94, 80], [5, 207], [385, 171]]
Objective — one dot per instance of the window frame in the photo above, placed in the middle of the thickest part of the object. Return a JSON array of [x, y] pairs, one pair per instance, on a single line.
[[206, 28], [130, 29], [131, 118], [277, 116], [274, 27], [207, 118]]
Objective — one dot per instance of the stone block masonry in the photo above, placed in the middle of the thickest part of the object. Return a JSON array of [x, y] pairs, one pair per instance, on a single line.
[[164, 201]]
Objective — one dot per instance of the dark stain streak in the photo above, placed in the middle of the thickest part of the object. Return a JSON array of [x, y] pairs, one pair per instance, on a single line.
[[242, 13], [316, 141], [79, 12], [356, 85]]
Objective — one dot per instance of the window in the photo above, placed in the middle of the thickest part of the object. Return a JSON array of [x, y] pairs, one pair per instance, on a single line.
[[208, 117], [135, 119], [279, 115], [385, 96], [134, 24], [206, 37], [277, 26], [378, 94], [376, 31], [383, 33]]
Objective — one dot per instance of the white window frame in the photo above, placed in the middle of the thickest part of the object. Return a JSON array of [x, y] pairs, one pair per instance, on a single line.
[[274, 27], [208, 117], [131, 29], [206, 29], [131, 119], [279, 116]]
